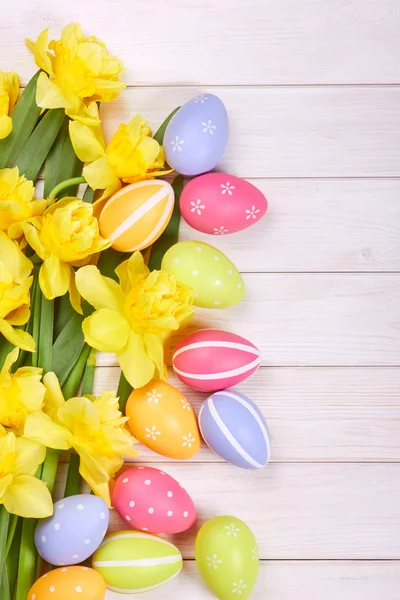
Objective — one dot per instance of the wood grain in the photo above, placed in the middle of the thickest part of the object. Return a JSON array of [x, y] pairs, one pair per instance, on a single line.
[[313, 319], [314, 414], [226, 42], [285, 580], [298, 511], [289, 131], [318, 225]]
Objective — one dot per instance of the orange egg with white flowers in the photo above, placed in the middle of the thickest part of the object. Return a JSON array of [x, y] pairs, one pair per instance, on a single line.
[[136, 216], [161, 418]]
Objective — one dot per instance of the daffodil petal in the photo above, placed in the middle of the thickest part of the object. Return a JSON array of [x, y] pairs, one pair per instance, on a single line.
[[28, 497], [4, 483], [19, 316], [5, 126], [130, 269], [99, 291], [106, 330], [134, 362], [17, 337], [79, 410], [32, 236], [29, 455], [49, 95], [17, 263], [54, 277], [40, 52], [54, 398], [87, 147], [11, 358], [155, 351], [100, 175], [41, 429]]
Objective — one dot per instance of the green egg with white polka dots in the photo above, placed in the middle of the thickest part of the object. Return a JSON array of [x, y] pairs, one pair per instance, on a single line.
[[214, 278], [227, 557]]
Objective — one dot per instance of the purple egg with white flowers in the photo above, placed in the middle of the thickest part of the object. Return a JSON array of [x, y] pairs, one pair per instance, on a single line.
[[233, 427], [74, 531], [197, 135]]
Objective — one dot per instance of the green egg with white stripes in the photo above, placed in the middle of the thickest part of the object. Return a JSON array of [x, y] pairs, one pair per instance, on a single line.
[[214, 278], [132, 562]]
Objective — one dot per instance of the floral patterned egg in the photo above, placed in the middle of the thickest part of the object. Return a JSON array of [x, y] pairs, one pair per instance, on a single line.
[[161, 418], [197, 134], [219, 204], [227, 557], [69, 583], [136, 216], [151, 500], [214, 278], [74, 531]]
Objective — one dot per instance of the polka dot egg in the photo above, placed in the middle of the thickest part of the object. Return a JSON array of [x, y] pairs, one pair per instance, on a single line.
[[214, 278], [162, 419], [69, 583], [151, 500], [76, 529]]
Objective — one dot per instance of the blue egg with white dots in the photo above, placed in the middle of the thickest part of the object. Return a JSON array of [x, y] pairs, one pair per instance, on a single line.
[[74, 531], [197, 135], [233, 427]]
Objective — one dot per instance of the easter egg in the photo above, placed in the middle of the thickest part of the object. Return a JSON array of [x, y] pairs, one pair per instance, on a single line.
[[136, 216], [151, 500], [214, 278], [218, 204], [234, 428], [69, 583], [211, 359], [161, 418], [197, 135], [135, 562], [74, 531], [227, 557]]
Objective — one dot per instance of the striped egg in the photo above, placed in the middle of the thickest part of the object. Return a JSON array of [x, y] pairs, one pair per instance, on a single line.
[[212, 359], [137, 215], [235, 429], [132, 562]]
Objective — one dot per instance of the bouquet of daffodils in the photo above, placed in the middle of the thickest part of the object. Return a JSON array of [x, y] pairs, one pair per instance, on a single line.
[[65, 293]]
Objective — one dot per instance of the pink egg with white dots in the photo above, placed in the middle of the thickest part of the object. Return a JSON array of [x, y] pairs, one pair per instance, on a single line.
[[219, 204], [151, 500]]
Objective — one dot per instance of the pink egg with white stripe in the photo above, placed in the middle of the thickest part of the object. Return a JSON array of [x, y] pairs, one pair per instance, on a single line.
[[219, 204], [212, 359], [151, 500]]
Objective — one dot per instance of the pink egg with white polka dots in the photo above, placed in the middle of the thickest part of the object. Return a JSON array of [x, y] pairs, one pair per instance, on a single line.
[[150, 500], [219, 204]]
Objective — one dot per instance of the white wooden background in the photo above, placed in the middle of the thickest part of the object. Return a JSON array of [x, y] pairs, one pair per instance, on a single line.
[[312, 90]]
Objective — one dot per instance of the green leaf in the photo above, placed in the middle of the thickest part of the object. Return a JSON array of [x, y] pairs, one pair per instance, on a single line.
[[62, 163], [63, 313], [73, 381], [123, 393], [170, 235], [24, 119], [109, 261], [68, 346], [34, 153], [88, 196], [44, 349], [159, 134]]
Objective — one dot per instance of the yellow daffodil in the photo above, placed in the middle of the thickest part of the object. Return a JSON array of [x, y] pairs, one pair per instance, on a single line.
[[17, 202], [93, 427], [134, 318], [21, 393], [66, 236], [9, 92], [78, 71], [132, 155], [15, 284], [20, 491]]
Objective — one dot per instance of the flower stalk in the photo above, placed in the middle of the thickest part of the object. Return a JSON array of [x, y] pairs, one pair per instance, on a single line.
[[66, 184]]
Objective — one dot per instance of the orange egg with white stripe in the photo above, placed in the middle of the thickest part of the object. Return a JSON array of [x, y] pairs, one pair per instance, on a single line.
[[137, 215]]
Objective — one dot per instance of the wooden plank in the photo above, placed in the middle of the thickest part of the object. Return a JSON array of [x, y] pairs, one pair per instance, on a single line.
[[299, 511], [313, 319], [226, 42], [290, 131], [286, 580], [318, 225], [314, 414]]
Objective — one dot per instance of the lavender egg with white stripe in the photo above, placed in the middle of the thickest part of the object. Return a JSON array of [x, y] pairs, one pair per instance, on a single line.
[[233, 427]]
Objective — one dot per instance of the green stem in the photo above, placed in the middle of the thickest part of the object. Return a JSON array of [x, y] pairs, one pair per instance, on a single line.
[[123, 393], [49, 471], [27, 559], [72, 383], [65, 184], [11, 532], [45, 347], [4, 522], [36, 311], [74, 479], [13, 558], [88, 376]]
